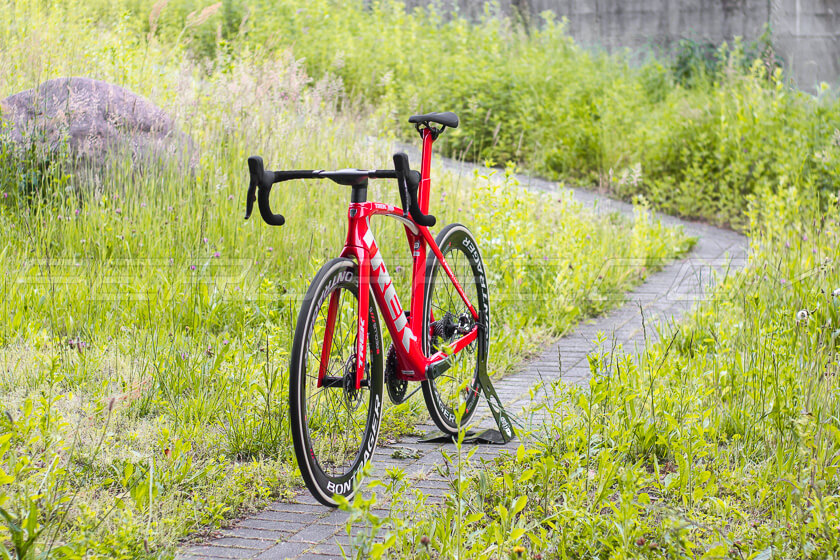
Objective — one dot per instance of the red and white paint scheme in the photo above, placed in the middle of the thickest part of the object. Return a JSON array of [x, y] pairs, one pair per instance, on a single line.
[[360, 246]]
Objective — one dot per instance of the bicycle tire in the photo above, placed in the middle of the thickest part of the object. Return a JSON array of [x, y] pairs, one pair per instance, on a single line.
[[442, 397], [329, 464]]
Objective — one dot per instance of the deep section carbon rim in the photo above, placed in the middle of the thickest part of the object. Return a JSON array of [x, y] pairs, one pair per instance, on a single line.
[[337, 424], [448, 318]]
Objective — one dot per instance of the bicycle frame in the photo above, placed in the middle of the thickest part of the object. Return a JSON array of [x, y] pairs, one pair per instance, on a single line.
[[360, 245]]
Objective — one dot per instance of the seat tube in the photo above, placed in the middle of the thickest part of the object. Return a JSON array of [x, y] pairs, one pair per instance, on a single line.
[[417, 242]]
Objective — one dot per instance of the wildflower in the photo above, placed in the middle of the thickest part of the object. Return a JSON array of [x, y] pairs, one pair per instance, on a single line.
[[142, 205], [192, 267], [802, 316], [519, 550], [78, 211], [787, 244], [424, 540], [118, 210], [836, 292], [204, 240], [230, 197], [640, 541], [216, 255], [270, 249], [59, 217], [804, 237], [5, 195]]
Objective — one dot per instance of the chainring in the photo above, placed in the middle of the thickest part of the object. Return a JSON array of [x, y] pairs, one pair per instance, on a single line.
[[397, 388]]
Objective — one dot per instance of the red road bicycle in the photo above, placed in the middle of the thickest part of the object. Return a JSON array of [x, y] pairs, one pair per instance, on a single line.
[[337, 371]]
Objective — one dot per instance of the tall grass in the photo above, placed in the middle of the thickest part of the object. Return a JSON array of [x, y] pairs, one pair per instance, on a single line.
[[146, 326], [701, 132], [720, 441]]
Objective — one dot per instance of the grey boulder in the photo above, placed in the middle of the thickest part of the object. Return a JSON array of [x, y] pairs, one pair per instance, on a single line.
[[92, 118]]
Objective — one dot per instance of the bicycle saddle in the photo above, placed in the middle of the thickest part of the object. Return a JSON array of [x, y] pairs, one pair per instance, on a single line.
[[448, 118]]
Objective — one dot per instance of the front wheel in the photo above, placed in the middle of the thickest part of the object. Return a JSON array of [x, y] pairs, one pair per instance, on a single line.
[[334, 426], [446, 316]]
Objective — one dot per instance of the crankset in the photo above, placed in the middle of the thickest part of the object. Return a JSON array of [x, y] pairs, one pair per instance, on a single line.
[[397, 388]]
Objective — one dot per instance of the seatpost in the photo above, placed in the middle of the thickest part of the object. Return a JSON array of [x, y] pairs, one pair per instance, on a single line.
[[425, 171]]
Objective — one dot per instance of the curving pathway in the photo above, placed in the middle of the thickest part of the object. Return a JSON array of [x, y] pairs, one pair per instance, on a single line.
[[308, 530]]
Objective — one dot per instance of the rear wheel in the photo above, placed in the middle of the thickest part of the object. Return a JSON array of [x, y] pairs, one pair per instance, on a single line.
[[446, 318], [334, 426]]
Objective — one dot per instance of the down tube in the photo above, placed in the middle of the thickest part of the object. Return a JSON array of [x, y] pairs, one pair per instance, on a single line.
[[404, 338]]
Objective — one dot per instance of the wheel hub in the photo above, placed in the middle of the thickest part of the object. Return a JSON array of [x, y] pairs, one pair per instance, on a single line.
[[445, 328]]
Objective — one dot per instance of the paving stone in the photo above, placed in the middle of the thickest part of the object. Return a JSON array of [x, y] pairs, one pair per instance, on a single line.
[[284, 551], [261, 533], [307, 498], [231, 541], [290, 516], [328, 550], [315, 533], [276, 525], [294, 516], [336, 517], [215, 552], [342, 539], [298, 508]]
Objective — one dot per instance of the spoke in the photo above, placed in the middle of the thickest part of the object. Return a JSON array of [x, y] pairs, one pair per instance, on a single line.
[[446, 299]]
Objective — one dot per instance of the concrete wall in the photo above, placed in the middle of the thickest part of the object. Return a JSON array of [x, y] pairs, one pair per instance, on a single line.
[[806, 33]]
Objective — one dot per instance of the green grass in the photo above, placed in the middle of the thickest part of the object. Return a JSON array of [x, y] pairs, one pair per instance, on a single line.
[[720, 441], [146, 326]]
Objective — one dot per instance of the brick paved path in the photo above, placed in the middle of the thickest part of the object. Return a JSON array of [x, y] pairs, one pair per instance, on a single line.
[[307, 530]]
